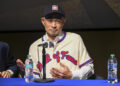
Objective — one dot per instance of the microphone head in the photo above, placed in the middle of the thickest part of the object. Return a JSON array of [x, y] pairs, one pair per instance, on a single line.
[[45, 44]]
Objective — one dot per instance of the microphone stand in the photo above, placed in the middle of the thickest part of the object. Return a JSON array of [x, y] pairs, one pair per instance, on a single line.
[[44, 79]]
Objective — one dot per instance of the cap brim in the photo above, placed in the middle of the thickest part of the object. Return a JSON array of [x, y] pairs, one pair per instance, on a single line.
[[54, 15]]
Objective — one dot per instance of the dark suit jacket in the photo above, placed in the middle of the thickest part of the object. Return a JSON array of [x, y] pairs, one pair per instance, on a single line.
[[7, 61]]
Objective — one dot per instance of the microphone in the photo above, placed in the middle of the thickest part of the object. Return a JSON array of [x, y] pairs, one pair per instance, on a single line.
[[44, 79], [45, 45]]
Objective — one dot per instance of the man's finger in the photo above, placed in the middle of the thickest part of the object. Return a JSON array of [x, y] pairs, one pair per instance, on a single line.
[[57, 70], [56, 73], [56, 76], [53, 74], [6, 74], [3, 73], [63, 65], [20, 64]]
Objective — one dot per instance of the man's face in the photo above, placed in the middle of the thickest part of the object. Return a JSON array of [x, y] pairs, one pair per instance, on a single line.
[[53, 26]]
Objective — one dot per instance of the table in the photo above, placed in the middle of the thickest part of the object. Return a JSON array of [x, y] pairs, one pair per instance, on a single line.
[[58, 82]]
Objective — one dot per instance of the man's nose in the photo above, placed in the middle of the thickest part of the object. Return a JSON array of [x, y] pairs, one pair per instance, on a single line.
[[54, 24]]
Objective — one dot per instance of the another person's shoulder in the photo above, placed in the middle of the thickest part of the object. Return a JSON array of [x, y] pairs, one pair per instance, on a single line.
[[3, 44], [72, 35]]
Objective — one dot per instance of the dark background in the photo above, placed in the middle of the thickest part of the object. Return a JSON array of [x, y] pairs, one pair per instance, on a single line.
[[97, 21], [24, 15]]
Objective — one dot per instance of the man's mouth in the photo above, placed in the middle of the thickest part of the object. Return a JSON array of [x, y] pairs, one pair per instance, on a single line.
[[53, 30]]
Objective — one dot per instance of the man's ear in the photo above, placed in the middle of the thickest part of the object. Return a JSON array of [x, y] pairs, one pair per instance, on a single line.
[[42, 20], [64, 20]]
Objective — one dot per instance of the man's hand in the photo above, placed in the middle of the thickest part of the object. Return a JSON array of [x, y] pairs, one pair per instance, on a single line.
[[65, 73], [20, 64], [5, 74]]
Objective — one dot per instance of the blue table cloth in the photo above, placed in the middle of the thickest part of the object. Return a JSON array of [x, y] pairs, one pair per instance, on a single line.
[[58, 82]]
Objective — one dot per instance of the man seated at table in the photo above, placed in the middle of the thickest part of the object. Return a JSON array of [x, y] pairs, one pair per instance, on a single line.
[[66, 53], [8, 67]]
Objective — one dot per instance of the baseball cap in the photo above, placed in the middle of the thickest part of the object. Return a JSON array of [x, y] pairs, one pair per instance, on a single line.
[[54, 11]]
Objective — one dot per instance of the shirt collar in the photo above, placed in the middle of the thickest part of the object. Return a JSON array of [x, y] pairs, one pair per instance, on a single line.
[[59, 37]]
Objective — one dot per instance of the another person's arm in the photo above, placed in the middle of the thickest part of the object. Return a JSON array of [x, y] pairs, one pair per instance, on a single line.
[[10, 64]]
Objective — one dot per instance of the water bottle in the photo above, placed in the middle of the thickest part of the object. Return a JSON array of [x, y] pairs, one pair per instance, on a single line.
[[112, 69], [28, 69]]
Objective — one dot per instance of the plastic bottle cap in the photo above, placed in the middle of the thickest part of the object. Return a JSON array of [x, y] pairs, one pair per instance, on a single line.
[[28, 55], [112, 55]]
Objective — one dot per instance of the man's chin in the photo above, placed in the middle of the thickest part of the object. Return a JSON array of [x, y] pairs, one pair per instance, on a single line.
[[53, 35]]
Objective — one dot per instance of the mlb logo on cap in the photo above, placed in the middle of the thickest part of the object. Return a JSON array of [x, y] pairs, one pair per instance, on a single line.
[[55, 7], [54, 10]]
